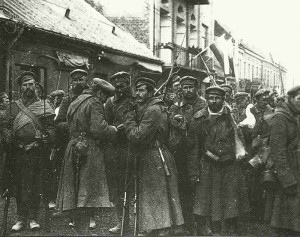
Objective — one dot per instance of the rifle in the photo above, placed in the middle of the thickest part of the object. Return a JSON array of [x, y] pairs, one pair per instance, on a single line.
[[135, 205], [125, 210], [7, 163]]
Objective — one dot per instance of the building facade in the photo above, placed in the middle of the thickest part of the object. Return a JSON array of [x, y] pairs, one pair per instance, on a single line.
[[175, 30], [66, 39], [258, 69]]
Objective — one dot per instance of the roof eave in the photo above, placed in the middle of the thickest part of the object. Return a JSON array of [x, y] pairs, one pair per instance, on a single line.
[[119, 52]]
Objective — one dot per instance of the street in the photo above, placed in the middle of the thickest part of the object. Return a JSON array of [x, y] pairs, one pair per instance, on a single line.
[[105, 219]]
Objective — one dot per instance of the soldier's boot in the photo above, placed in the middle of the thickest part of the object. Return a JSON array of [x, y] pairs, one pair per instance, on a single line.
[[116, 229], [18, 226], [93, 224], [33, 225], [203, 226]]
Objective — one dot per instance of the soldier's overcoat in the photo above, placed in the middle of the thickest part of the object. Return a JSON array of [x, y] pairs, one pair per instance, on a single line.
[[158, 199], [86, 115], [284, 144], [221, 192]]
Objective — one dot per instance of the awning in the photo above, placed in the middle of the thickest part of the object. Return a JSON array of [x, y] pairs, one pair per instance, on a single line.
[[72, 60], [127, 61]]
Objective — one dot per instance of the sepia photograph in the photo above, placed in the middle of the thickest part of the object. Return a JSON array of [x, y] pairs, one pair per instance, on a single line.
[[149, 118]]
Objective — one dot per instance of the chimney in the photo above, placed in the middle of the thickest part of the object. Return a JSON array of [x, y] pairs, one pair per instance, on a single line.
[[67, 13]]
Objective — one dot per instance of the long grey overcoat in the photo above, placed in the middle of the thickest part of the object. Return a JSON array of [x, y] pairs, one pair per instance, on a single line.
[[158, 199], [86, 115], [284, 145], [221, 193]]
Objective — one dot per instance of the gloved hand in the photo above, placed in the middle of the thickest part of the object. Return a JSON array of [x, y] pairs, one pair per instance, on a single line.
[[194, 180], [291, 190]]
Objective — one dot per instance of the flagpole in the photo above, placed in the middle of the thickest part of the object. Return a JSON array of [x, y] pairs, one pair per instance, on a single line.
[[282, 86]]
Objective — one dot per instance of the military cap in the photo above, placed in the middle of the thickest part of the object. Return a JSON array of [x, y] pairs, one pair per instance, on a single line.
[[25, 76], [120, 77], [294, 90], [227, 87], [106, 87], [215, 90], [261, 92], [188, 80], [240, 95], [175, 78], [78, 71], [57, 93], [145, 81]]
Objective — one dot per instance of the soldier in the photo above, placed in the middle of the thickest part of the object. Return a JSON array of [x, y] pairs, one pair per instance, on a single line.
[[78, 85], [83, 181], [181, 116], [284, 146], [32, 131], [263, 113], [228, 90], [116, 109], [173, 91], [214, 171], [146, 127]]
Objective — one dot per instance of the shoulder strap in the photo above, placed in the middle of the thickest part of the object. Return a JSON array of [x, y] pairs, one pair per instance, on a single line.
[[80, 103], [29, 114]]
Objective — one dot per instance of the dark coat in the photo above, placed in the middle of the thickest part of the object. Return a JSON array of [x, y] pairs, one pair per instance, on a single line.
[[221, 192], [89, 117], [159, 204], [284, 144], [116, 110]]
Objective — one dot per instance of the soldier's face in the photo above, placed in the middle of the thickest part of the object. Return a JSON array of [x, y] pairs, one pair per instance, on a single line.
[[79, 81], [263, 101], [215, 102], [28, 88], [176, 87], [188, 91], [122, 89], [296, 102], [142, 94]]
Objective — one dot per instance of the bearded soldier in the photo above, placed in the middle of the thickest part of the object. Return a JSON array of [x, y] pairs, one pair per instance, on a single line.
[[181, 116], [83, 181], [32, 129], [147, 129], [220, 192], [116, 109], [78, 85]]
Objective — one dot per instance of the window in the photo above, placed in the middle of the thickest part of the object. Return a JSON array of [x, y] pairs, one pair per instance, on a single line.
[[252, 71], [257, 72], [180, 9], [245, 70], [204, 36]]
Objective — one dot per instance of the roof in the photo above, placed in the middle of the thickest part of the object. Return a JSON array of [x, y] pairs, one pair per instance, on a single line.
[[84, 24]]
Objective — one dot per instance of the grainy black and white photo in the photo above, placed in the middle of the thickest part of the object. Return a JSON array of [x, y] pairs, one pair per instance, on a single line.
[[149, 118]]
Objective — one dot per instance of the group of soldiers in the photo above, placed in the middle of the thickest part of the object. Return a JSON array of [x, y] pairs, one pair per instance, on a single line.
[[189, 165]]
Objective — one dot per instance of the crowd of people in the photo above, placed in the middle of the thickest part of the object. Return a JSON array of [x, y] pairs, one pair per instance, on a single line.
[[190, 164]]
